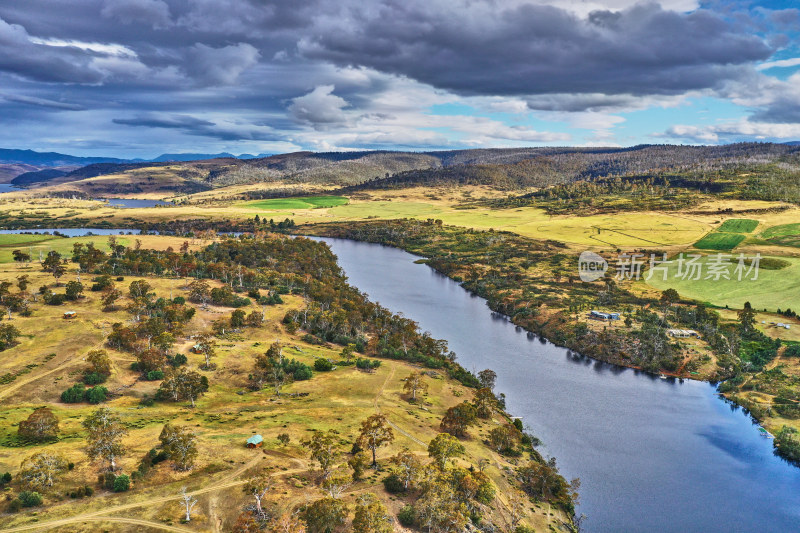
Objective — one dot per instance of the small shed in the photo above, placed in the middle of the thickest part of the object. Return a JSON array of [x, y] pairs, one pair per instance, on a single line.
[[70, 315], [256, 441], [196, 349], [599, 315]]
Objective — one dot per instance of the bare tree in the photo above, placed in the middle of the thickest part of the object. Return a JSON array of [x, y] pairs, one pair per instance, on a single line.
[[188, 502]]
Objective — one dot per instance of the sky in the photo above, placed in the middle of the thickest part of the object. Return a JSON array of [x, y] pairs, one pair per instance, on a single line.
[[137, 78]]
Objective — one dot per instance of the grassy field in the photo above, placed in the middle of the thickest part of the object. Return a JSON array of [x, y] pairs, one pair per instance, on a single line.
[[628, 229], [772, 290], [738, 225], [307, 202], [224, 417], [719, 241], [16, 239]]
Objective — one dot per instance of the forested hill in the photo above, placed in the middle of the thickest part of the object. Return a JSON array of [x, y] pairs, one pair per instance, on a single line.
[[542, 167], [504, 168]]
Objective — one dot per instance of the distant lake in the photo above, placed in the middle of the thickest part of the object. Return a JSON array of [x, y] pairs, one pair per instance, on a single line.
[[72, 232], [7, 187], [128, 203]]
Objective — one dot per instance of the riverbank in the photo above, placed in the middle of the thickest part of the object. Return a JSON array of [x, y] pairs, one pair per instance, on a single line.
[[641, 445], [534, 284]]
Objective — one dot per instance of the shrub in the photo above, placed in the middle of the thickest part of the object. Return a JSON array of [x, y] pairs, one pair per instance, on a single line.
[[74, 394], [122, 483], [96, 395], [14, 506], [406, 516], [54, 299], [101, 283], [5, 479], [176, 360], [393, 484], [179, 300], [93, 378], [30, 498], [792, 350], [367, 364], [322, 365], [155, 375], [147, 401]]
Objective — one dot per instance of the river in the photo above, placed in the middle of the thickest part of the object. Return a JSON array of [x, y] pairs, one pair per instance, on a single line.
[[653, 455]]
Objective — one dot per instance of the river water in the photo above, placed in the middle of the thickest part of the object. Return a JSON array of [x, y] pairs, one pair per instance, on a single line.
[[653, 455]]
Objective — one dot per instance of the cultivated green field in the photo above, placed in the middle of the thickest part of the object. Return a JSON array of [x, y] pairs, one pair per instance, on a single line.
[[772, 290], [738, 225], [784, 230], [719, 241], [307, 202], [62, 245], [13, 239]]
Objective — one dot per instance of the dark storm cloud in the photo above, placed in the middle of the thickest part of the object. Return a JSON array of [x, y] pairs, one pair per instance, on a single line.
[[41, 102], [154, 13], [21, 56], [164, 121], [275, 70], [203, 128], [219, 66], [535, 49]]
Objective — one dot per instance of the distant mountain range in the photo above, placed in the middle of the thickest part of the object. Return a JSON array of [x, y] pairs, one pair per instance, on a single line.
[[55, 159]]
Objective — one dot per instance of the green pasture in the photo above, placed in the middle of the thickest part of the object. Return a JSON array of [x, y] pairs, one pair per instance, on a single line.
[[774, 288], [306, 202], [14, 239], [719, 241], [62, 245], [738, 225]]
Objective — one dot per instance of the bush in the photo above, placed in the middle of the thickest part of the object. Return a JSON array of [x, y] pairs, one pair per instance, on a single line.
[[93, 378], [393, 484], [74, 394], [406, 516], [14, 506], [176, 360], [5, 479], [101, 283], [96, 395], [367, 364], [147, 401], [322, 365], [81, 492], [179, 300], [122, 483], [793, 350], [30, 498], [155, 375], [54, 299]]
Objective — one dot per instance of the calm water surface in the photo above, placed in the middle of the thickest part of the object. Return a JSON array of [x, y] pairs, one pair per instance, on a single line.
[[653, 455], [128, 203]]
